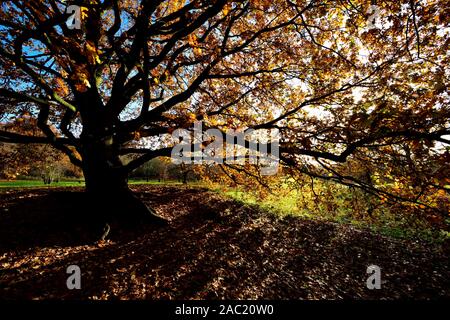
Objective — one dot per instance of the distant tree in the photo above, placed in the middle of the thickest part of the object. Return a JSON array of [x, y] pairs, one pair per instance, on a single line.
[[155, 168], [34, 160], [51, 172], [185, 171]]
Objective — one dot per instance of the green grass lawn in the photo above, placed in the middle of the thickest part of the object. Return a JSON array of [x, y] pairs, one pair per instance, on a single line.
[[39, 183], [387, 224], [154, 182], [76, 183]]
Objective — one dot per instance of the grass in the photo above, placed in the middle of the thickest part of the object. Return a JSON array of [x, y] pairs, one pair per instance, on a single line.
[[153, 182], [39, 184], [163, 182], [281, 205], [388, 224], [78, 183]]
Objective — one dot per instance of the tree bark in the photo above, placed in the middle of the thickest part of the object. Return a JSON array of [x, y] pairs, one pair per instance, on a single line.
[[111, 200]]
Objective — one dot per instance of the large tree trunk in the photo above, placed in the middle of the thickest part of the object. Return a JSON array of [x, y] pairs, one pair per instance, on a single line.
[[112, 202]]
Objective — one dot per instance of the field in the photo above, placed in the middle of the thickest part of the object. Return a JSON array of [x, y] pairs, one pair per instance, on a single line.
[[39, 184], [67, 183], [214, 247]]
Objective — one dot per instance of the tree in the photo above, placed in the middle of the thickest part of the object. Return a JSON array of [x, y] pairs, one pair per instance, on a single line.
[[185, 170], [33, 160], [337, 81], [154, 168]]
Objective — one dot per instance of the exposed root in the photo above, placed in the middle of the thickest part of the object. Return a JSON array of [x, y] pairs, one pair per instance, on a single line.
[[106, 231]]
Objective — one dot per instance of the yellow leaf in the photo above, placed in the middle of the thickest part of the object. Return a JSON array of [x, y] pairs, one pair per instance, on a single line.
[[192, 40], [61, 87], [198, 51], [175, 5], [81, 77], [192, 117], [92, 53], [84, 13], [226, 10]]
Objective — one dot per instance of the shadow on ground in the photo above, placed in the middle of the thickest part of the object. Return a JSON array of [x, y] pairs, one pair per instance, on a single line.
[[213, 248]]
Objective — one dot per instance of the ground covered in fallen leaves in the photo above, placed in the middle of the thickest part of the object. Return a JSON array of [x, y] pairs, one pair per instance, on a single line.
[[213, 248]]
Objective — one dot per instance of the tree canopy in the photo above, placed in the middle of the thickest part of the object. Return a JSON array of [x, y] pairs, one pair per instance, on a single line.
[[352, 87]]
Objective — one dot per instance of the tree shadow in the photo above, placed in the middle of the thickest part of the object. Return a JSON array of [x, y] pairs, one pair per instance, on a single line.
[[58, 218], [217, 249], [210, 250]]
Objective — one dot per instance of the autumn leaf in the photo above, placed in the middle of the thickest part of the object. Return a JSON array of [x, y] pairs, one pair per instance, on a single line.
[[198, 51], [61, 87], [84, 13], [226, 9], [92, 53], [81, 77], [192, 40]]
